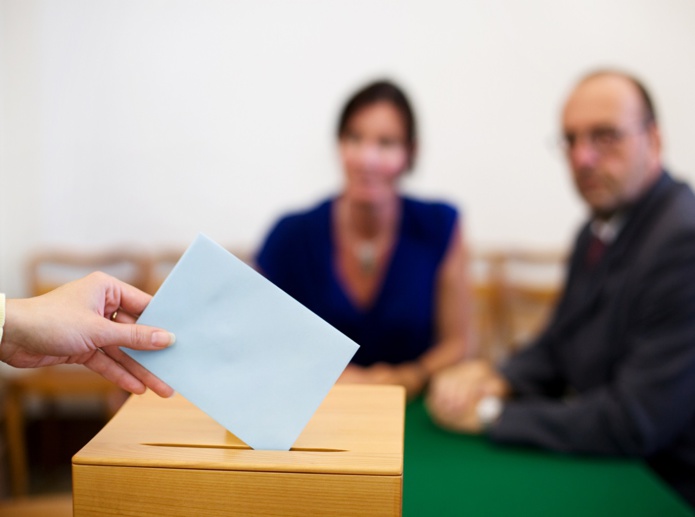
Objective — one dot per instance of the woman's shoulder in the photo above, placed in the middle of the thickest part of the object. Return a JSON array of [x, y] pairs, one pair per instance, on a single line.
[[299, 220], [290, 233]]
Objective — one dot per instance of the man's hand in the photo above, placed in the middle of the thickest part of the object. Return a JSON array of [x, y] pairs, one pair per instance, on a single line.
[[454, 394]]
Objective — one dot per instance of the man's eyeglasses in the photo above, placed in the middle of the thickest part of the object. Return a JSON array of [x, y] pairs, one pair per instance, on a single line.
[[603, 139]]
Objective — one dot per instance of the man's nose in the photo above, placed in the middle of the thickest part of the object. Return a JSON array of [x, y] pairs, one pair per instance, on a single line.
[[583, 152]]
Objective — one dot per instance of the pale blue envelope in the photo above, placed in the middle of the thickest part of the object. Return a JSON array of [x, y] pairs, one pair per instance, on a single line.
[[246, 353]]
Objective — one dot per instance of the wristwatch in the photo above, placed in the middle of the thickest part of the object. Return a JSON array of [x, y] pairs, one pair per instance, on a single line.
[[489, 409]]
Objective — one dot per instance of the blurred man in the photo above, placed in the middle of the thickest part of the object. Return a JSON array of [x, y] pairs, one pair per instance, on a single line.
[[614, 371]]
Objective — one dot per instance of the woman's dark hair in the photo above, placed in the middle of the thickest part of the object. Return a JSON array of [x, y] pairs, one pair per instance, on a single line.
[[381, 91]]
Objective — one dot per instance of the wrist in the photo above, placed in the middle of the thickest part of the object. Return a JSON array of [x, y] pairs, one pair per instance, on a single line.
[[413, 376], [418, 373], [15, 327]]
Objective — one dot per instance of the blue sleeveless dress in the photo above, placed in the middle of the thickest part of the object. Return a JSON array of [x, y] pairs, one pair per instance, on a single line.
[[298, 257]]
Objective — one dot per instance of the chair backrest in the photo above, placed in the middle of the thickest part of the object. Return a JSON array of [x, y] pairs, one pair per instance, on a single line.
[[514, 291], [164, 260], [51, 268], [531, 283], [486, 270]]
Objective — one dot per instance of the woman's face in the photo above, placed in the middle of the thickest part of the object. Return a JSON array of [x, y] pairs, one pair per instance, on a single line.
[[374, 152]]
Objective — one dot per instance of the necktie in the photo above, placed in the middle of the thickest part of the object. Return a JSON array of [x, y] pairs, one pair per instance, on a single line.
[[595, 251]]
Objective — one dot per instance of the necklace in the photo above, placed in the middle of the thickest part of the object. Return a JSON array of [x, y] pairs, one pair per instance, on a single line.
[[366, 252]]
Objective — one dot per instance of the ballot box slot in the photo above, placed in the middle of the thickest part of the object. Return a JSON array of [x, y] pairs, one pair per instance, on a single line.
[[236, 447]]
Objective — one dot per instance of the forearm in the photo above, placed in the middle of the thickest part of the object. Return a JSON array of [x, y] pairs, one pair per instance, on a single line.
[[411, 375], [443, 354], [532, 371], [570, 428], [635, 416]]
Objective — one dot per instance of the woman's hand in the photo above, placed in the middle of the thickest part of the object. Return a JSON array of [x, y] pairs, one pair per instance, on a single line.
[[85, 322]]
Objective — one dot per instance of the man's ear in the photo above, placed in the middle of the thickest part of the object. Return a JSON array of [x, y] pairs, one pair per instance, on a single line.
[[654, 136]]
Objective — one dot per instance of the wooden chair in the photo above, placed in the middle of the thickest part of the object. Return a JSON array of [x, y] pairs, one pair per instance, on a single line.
[[161, 264], [486, 271], [514, 291], [530, 283], [49, 386], [164, 260], [48, 270]]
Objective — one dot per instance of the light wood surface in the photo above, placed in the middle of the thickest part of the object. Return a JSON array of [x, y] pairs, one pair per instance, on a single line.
[[177, 493], [166, 457]]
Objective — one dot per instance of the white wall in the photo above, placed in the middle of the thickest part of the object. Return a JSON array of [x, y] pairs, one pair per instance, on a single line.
[[145, 122]]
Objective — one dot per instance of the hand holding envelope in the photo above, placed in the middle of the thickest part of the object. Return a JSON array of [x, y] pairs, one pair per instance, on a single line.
[[246, 353]]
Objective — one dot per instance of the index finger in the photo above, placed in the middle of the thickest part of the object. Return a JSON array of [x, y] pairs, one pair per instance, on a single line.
[[132, 299]]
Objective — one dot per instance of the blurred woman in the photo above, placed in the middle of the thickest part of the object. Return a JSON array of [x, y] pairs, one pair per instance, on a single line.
[[387, 270]]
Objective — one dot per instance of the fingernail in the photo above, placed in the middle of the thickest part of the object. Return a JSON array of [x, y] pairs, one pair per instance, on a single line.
[[163, 339]]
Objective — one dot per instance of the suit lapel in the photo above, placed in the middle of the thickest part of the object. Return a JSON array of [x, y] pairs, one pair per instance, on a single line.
[[585, 287]]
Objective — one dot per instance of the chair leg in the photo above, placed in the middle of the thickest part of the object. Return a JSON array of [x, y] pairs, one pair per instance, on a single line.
[[19, 478]]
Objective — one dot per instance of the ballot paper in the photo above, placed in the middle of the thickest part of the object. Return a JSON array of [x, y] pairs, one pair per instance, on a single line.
[[246, 353]]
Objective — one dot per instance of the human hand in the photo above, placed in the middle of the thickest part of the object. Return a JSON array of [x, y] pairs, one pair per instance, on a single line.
[[409, 375], [455, 392], [72, 324]]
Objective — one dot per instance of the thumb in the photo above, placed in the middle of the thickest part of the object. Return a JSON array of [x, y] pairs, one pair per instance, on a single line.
[[137, 337]]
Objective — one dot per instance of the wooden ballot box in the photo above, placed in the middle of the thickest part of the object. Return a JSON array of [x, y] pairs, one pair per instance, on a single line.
[[166, 457]]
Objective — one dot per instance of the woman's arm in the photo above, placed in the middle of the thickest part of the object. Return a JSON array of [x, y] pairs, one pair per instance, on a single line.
[[453, 316]]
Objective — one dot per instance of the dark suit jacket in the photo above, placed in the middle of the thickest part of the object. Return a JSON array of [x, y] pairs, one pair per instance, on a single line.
[[614, 372]]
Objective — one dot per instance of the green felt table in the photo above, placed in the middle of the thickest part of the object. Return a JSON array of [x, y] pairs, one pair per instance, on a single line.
[[450, 474]]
